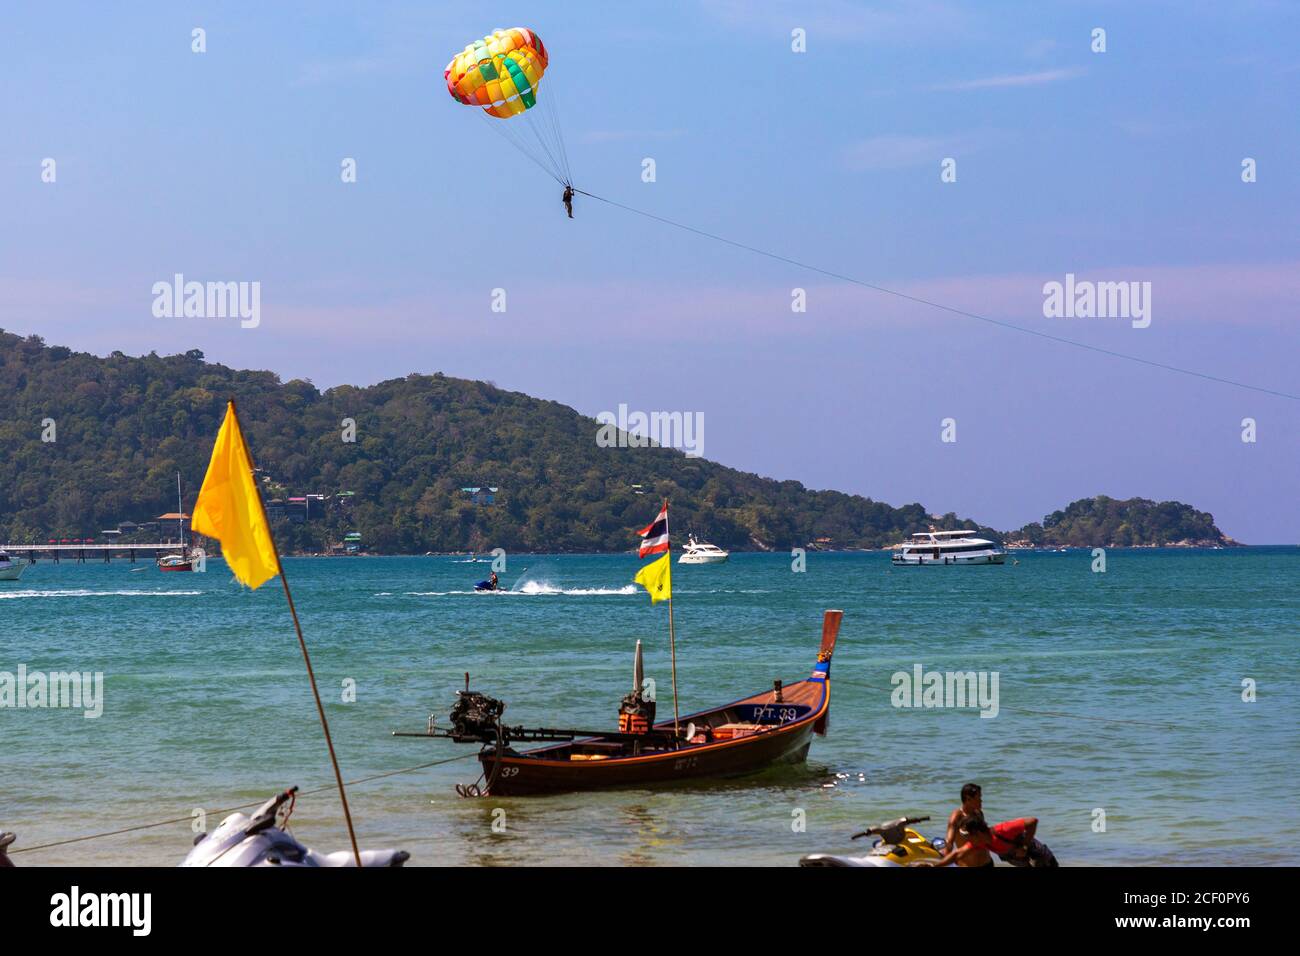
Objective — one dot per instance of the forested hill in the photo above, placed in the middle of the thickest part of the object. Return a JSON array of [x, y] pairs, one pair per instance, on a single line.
[[1111, 523], [123, 427]]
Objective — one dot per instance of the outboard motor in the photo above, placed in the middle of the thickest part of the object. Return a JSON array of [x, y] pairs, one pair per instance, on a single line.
[[475, 716]]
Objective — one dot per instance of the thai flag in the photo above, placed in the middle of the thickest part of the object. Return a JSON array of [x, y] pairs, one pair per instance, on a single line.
[[654, 536]]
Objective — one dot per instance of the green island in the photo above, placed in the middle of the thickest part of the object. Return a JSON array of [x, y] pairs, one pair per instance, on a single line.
[[436, 464]]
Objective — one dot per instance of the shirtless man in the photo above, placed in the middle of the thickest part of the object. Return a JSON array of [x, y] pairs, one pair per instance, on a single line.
[[974, 850], [972, 805]]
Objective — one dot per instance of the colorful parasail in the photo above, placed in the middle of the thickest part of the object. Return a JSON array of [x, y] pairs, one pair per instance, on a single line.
[[499, 73]]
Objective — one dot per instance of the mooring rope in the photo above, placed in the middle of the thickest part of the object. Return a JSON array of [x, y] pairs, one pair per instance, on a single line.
[[257, 803]]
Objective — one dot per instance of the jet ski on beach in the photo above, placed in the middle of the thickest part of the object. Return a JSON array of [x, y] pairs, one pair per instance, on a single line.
[[897, 845]]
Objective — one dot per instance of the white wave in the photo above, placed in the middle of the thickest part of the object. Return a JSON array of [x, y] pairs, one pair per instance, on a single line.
[[86, 593], [532, 589], [545, 587], [722, 591]]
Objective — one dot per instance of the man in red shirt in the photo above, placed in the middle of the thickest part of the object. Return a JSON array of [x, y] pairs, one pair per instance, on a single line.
[[1013, 835], [1014, 842]]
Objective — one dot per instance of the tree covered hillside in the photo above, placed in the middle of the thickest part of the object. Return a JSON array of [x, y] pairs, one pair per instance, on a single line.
[[124, 426], [1109, 522]]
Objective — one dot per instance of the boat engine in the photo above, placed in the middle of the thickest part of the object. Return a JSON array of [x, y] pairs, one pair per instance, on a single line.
[[475, 716], [636, 714]]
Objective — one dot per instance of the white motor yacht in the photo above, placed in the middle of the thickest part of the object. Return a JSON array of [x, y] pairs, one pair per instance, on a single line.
[[947, 547], [11, 569], [701, 552]]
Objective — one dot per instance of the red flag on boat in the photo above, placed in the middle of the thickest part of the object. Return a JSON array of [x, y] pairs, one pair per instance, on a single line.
[[654, 536]]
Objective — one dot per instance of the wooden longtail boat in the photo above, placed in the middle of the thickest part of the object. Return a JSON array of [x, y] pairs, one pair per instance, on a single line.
[[774, 726]]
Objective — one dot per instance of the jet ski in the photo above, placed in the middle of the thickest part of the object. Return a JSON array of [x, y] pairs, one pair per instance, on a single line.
[[264, 840], [487, 586], [898, 845]]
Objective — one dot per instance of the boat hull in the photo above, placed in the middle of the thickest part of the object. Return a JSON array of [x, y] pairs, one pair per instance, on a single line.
[[13, 572], [521, 775], [977, 557]]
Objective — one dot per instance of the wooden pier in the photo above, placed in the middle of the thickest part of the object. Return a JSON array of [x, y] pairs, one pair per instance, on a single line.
[[78, 553]]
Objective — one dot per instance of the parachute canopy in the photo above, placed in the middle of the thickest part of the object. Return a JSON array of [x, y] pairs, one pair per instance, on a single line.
[[499, 73]]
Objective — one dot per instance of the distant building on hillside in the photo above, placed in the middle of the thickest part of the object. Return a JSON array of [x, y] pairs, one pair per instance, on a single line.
[[351, 544], [481, 496], [181, 521]]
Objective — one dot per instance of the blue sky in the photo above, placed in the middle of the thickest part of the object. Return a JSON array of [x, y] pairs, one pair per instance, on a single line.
[[1123, 165]]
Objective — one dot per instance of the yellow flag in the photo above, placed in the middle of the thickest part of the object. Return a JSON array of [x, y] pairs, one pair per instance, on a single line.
[[657, 578], [230, 510]]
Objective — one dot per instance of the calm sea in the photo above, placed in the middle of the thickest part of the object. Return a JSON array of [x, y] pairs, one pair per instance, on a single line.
[[1120, 721]]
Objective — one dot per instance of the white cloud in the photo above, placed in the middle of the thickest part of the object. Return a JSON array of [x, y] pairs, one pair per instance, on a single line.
[[1010, 80], [899, 150]]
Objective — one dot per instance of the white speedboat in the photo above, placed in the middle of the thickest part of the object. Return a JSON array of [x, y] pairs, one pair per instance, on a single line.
[[701, 552], [11, 569], [947, 547]]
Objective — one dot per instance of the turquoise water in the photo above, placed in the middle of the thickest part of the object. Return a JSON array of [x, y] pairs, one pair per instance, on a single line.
[[1119, 691]]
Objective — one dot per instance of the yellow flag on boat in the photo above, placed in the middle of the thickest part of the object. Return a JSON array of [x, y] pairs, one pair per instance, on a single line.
[[229, 509], [657, 578]]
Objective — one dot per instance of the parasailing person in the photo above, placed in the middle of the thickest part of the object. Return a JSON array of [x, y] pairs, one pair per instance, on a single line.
[[500, 75]]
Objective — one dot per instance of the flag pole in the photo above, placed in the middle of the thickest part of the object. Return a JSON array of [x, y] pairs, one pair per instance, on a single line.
[[672, 638], [311, 675]]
